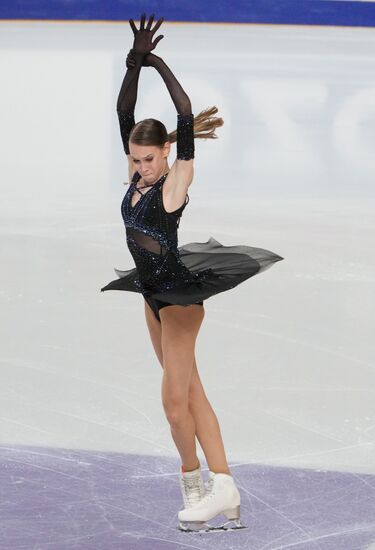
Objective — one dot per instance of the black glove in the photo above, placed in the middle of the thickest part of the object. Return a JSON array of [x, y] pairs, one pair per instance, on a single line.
[[126, 121], [185, 136]]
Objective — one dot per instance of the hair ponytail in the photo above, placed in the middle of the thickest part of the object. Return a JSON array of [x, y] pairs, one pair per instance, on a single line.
[[204, 125], [153, 132]]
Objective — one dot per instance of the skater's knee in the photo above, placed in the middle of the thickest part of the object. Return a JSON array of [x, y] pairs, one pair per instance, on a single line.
[[176, 411]]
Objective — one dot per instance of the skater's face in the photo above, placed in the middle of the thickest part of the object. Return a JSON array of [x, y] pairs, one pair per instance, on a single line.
[[149, 160]]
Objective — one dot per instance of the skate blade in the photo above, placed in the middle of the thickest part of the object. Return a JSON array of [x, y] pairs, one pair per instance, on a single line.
[[232, 525], [193, 526], [204, 527]]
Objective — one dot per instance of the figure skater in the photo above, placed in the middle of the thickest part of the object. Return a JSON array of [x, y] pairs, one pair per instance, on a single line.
[[174, 281]]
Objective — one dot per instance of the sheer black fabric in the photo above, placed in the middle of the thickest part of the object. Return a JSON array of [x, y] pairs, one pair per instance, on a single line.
[[146, 242], [126, 121]]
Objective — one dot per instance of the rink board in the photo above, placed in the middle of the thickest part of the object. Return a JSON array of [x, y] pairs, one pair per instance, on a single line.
[[293, 12]]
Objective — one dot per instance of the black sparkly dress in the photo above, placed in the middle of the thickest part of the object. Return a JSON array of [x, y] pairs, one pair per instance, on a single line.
[[166, 273]]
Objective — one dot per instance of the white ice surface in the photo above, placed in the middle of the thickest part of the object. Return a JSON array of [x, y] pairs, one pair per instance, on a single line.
[[287, 358]]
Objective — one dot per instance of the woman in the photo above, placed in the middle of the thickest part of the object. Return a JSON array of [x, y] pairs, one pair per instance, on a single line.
[[174, 281]]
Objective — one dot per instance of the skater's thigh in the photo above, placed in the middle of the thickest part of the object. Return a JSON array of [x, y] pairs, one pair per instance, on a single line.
[[154, 328], [180, 327]]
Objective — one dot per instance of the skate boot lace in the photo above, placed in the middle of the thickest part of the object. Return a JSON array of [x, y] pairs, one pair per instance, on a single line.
[[193, 489]]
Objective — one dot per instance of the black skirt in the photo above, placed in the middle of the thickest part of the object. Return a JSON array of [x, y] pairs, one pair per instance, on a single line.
[[215, 268]]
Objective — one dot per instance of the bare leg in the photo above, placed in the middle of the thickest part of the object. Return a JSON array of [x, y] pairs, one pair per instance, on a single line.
[[206, 426], [180, 328]]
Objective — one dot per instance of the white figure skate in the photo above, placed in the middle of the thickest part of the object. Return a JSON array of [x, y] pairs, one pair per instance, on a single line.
[[192, 487], [222, 497]]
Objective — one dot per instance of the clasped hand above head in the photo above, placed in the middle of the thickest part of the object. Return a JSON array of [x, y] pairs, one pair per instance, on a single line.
[[141, 55], [143, 43]]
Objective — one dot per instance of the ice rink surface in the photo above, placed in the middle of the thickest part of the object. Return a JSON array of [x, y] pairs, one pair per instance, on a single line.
[[287, 358]]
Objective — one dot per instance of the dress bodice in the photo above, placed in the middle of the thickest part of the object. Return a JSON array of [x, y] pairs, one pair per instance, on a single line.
[[152, 237], [149, 216]]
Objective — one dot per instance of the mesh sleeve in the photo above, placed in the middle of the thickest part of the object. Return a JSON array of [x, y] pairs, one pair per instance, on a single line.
[[126, 120], [185, 136]]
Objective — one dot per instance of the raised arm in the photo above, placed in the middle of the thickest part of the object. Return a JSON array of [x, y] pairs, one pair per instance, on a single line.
[[185, 117], [181, 172], [179, 97], [127, 99], [128, 92]]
